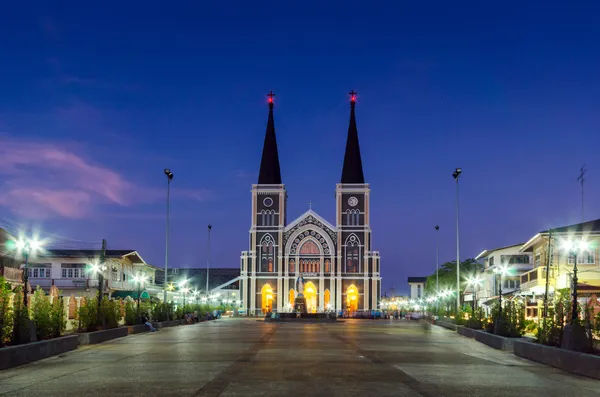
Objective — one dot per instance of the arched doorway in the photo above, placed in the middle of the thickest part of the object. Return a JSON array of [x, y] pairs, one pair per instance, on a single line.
[[352, 298], [292, 297], [310, 294], [267, 298], [327, 297]]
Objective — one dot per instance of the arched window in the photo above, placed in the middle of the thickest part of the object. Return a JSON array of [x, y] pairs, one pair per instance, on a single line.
[[267, 254], [348, 217], [352, 254], [356, 217], [263, 218], [292, 265], [327, 266]]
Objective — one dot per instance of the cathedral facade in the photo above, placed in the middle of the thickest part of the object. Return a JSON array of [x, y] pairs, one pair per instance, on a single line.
[[339, 267]]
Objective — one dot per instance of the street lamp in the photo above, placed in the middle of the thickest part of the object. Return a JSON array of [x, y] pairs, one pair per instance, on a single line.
[[27, 247], [208, 259], [139, 279], [573, 248], [169, 175], [501, 270], [474, 282], [456, 175]]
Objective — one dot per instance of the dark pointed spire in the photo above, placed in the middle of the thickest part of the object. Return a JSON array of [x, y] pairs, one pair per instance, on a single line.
[[270, 174], [352, 171]]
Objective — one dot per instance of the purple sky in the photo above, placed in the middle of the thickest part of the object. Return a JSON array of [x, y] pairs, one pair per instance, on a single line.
[[96, 100]]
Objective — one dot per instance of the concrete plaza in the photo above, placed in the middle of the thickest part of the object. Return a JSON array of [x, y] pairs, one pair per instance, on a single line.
[[246, 357]]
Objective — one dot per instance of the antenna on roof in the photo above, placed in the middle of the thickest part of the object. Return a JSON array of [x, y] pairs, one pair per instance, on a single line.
[[581, 179]]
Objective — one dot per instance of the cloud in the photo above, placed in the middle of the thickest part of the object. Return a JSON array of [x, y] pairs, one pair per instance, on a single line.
[[48, 180]]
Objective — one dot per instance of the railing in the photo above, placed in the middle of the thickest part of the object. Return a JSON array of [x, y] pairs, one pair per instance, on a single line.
[[539, 273], [11, 274]]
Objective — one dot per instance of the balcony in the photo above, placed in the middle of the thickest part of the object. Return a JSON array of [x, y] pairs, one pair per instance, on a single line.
[[536, 279], [11, 274]]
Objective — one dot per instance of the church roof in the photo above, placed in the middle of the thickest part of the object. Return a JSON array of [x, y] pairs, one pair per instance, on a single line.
[[270, 173], [353, 170], [307, 214]]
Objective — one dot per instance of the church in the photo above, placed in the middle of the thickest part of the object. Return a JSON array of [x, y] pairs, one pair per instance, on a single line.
[[339, 267]]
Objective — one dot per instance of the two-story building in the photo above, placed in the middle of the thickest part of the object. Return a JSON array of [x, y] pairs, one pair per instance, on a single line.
[[417, 287], [508, 263], [76, 273], [550, 250]]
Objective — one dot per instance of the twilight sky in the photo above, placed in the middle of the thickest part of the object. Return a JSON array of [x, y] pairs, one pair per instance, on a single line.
[[95, 100]]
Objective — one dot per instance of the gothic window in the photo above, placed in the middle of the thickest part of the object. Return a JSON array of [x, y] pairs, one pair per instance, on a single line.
[[267, 254], [327, 266], [310, 248], [352, 254], [348, 217], [356, 216], [292, 263], [263, 218]]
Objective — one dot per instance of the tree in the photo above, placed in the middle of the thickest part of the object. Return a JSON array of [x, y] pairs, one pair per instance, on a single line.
[[447, 276]]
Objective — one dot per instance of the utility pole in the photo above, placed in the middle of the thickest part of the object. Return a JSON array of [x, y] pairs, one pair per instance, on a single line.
[[548, 263], [437, 267], [456, 175], [581, 179], [208, 261], [169, 175]]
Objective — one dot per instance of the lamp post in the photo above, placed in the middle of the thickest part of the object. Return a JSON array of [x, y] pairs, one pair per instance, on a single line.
[[169, 175], [139, 279], [208, 259], [456, 175], [437, 265], [573, 248], [474, 282], [27, 246], [183, 288], [500, 270]]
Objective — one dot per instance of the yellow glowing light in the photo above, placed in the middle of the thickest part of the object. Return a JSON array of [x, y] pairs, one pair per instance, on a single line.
[[310, 290]]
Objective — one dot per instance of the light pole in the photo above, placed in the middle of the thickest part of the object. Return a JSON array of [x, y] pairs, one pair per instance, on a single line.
[[474, 282], [500, 270], [456, 175], [574, 248], [183, 289], [208, 259], [139, 279], [437, 265], [27, 246], [169, 175]]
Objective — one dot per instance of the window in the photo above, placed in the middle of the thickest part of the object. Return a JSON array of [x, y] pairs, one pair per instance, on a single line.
[[267, 254], [72, 270], [327, 266], [115, 276], [292, 265], [419, 291], [356, 216], [514, 259], [39, 272], [585, 257], [491, 261], [348, 217], [352, 254]]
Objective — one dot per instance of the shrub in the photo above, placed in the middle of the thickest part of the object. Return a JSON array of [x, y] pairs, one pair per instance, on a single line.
[[131, 315], [87, 316], [58, 323], [41, 313], [20, 319], [110, 313], [6, 313], [163, 311]]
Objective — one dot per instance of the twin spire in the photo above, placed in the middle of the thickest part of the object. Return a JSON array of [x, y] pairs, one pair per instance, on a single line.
[[270, 172]]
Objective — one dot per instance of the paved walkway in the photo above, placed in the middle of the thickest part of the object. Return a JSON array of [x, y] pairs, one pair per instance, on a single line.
[[243, 357]]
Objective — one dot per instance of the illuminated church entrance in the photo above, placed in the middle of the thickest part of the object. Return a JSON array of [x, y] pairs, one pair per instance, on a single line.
[[310, 294], [352, 298], [267, 298]]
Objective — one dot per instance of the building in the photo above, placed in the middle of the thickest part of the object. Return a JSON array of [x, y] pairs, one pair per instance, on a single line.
[[548, 249], [223, 282], [510, 258], [74, 274], [9, 267], [340, 269], [417, 287]]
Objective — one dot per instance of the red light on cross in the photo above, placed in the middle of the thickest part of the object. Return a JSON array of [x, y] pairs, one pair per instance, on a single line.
[[353, 96], [270, 95]]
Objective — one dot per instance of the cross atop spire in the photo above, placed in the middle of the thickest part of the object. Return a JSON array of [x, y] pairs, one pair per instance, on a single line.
[[310, 205], [352, 97], [270, 173]]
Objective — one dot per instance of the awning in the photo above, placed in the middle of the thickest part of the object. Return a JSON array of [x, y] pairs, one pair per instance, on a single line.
[[131, 294]]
